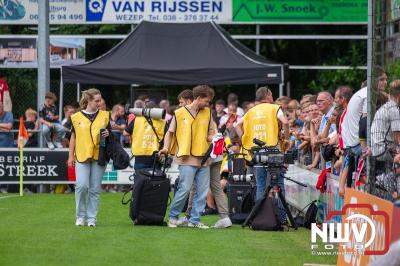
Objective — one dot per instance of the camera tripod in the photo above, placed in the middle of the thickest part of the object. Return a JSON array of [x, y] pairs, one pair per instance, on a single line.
[[276, 192]]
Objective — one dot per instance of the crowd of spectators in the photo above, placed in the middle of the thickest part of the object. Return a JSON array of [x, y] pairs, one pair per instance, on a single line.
[[328, 131]]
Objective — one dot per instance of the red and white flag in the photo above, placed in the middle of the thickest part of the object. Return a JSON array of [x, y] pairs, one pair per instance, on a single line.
[[22, 133]]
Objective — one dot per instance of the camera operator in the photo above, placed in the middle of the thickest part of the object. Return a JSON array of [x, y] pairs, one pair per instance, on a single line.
[[193, 127], [262, 122], [145, 142]]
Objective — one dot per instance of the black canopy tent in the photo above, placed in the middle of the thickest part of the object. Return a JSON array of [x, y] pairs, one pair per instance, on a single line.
[[177, 54]]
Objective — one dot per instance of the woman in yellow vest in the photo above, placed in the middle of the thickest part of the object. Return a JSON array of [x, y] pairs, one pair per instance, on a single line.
[[84, 152]]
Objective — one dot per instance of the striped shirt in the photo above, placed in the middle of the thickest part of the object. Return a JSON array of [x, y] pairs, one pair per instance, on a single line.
[[386, 121]]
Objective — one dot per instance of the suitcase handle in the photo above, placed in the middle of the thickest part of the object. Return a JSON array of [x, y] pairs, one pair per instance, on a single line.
[[155, 155], [123, 197]]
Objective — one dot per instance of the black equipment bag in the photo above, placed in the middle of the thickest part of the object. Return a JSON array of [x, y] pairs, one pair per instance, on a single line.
[[149, 200], [311, 214], [266, 217], [241, 197], [309, 217]]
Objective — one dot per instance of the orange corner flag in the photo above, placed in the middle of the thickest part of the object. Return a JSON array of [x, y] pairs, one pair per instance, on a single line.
[[22, 133]]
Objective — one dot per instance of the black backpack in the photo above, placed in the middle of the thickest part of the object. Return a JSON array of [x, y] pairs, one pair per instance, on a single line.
[[310, 216], [265, 215], [120, 157]]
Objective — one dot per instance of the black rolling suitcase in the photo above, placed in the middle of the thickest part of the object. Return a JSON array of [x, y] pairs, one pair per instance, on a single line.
[[149, 199]]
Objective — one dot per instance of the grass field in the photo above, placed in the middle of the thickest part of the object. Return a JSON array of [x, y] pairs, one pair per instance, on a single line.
[[39, 229]]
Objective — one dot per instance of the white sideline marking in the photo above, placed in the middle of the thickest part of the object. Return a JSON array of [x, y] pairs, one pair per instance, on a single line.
[[11, 196]]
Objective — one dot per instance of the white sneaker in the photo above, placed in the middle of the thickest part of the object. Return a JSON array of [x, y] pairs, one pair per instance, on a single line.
[[80, 221], [3, 190], [59, 145], [50, 145], [223, 223], [183, 221], [172, 223], [91, 224], [198, 225]]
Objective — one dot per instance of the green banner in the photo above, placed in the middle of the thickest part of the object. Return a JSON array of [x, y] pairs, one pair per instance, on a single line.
[[298, 11]]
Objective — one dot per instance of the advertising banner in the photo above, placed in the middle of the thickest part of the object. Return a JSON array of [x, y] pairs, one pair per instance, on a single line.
[[380, 230], [42, 166], [26, 11], [124, 11], [299, 196], [394, 9], [117, 11], [39, 165], [298, 11], [22, 52], [186, 11]]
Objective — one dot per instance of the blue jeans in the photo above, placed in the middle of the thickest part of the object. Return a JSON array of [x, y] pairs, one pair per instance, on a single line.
[[58, 129], [138, 166], [263, 183], [88, 188], [187, 175]]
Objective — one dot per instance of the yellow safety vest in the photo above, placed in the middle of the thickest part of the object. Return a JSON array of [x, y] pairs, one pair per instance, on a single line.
[[174, 147], [191, 133], [87, 134], [261, 122], [144, 140]]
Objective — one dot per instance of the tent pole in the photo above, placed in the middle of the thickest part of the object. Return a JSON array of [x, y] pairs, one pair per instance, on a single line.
[[131, 96], [257, 45], [78, 92], [281, 89], [61, 98], [282, 84], [258, 40]]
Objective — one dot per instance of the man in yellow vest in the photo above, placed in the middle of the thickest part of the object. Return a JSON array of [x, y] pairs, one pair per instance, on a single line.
[[262, 122], [146, 139], [185, 97], [193, 127]]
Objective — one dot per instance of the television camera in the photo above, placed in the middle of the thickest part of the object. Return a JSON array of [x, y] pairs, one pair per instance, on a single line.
[[274, 161]]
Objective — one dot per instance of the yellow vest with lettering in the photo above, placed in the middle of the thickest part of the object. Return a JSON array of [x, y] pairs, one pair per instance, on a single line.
[[144, 140], [87, 134], [191, 133], [261, 122]]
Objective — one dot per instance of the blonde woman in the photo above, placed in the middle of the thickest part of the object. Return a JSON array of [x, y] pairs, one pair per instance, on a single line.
[[84, 152]]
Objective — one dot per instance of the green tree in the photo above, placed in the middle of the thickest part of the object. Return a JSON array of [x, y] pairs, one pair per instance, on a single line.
[[330, 80]]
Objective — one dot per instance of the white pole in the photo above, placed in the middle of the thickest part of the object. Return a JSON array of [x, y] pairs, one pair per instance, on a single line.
[[43, 56], [61, 98], [78, 92]]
